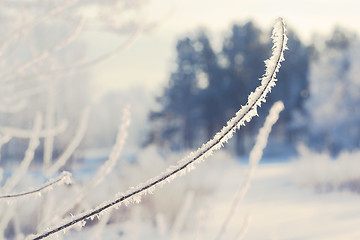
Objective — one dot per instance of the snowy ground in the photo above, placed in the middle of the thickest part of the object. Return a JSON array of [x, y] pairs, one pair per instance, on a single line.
[[275, 207], [281, 209]]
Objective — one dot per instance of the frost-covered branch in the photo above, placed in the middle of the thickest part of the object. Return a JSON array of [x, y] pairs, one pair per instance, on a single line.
[[49, 124], [245, 114], [45, 54], [244, 228], [7, 213], [182, 214], [116, 150], [255, 156], [64, 157], [64, 178], [105, 168], [29, 156], [4, 139], [23, 133], [26, 27]]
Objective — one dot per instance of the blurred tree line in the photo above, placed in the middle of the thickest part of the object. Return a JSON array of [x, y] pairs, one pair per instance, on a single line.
[[333, 121], [318, 84], [208, 87]]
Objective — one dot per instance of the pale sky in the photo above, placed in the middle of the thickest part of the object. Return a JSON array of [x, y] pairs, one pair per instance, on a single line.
[[147, 62]]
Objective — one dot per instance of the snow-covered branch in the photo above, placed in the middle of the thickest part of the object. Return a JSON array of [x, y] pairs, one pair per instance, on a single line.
[[245, 114], [75, 142], [29, 156], [65, 177], [24, 133], [255, 156]]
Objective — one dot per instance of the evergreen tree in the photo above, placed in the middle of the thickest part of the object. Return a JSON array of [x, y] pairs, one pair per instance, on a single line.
[[208, 87], [293, 91], [334, 94], [179, 116], [244, 53], [213, 88]]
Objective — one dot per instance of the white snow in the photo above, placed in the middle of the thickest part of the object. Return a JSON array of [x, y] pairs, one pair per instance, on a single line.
[[278, 207]]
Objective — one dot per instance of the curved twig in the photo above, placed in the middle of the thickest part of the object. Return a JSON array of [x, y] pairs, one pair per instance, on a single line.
[[64, 177], [243, 115]]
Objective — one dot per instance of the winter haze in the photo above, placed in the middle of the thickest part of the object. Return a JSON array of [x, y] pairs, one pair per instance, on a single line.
[[147, 119]]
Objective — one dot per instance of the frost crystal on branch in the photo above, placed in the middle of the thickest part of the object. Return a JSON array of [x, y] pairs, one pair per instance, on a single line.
[[255, 156], [245, 114], [64, 178]]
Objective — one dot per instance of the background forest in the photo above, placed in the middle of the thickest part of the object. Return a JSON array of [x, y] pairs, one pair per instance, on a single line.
[[209, 85]]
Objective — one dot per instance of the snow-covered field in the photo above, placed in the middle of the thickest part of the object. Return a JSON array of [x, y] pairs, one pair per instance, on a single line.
[[280, 204], [281, 209]]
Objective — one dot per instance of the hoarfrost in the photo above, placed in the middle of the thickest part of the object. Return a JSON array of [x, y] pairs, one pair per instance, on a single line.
[[65, 156], [245, 114], [64, 178]]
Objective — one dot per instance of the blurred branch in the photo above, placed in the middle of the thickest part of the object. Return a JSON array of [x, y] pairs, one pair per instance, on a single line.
[[244, 228], [65, 177], [255, 156], [29, 156], [45, 54], [61, 72], [79, 135], [26, 27], [22, 133], [105, 168]]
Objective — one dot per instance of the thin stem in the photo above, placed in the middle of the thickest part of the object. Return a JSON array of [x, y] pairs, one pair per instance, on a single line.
[[63, 178], [255, 156], [243, 115]]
